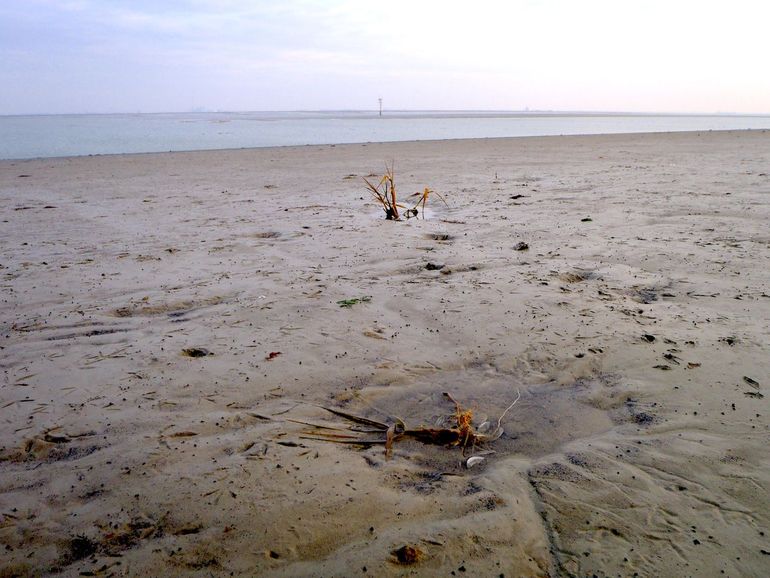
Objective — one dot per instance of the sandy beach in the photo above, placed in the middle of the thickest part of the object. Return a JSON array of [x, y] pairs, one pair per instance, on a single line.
[[171, 328]]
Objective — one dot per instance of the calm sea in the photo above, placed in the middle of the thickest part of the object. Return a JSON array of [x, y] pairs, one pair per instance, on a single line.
[[71, 135]]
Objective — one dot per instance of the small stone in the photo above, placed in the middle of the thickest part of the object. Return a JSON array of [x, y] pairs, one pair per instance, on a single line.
[[407, 554], [196, 352]]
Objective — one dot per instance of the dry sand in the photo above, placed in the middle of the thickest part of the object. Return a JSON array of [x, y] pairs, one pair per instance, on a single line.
[[625, 455]]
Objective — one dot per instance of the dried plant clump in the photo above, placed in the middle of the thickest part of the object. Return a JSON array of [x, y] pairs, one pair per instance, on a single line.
[[464, 419], [384, 193]]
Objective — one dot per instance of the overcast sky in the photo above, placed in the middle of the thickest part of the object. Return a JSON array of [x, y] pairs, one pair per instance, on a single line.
[[62, 56]]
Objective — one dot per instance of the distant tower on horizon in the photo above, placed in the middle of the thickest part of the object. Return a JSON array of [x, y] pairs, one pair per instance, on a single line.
[[380, 99]]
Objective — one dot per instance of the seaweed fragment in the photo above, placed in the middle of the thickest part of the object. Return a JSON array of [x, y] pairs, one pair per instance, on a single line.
[[461, 433]]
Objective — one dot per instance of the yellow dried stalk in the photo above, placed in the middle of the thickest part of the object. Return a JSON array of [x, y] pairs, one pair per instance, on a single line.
[[385, 194]]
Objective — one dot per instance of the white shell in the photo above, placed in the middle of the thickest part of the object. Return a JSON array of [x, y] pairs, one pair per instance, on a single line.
[[484, 427], [473, 461]]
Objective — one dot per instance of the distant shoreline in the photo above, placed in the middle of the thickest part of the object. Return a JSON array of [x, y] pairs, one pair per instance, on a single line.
[[454, 141], [49, 136]]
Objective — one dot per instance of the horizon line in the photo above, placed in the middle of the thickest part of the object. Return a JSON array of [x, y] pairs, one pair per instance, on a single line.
[[376, 112]]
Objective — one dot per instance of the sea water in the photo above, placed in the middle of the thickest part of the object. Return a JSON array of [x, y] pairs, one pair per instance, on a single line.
[[24, 137]]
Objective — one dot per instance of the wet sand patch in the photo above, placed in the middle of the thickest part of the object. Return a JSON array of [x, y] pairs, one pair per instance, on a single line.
[[546, 417]]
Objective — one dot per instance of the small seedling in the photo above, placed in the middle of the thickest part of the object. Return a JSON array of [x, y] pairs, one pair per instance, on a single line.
[[423, 200], [350, 302]]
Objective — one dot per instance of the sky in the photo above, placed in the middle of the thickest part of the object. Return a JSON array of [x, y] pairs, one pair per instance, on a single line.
[[106, 56]]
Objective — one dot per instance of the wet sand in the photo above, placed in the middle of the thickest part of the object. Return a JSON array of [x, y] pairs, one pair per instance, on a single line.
[[635, 326]]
